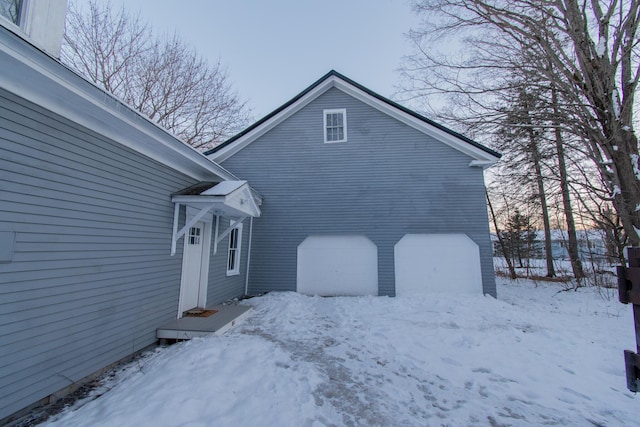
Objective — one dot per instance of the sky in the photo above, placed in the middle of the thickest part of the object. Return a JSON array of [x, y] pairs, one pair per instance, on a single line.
[[275, 49]]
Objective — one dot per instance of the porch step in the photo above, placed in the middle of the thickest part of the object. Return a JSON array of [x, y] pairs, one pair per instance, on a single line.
[[224, 318]]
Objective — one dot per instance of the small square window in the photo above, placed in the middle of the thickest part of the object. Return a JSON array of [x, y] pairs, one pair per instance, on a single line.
[[335, 125]]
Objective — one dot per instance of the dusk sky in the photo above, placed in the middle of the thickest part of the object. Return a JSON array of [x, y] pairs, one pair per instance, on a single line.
[[274, 49]]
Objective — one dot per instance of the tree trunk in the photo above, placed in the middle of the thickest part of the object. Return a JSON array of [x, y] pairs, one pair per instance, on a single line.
[[626, 189], [574, 253], [612, 101], [512, 271], [535, 156]]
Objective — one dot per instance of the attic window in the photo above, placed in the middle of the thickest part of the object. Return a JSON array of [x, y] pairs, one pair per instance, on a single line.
[[335, 125], [11, 10]]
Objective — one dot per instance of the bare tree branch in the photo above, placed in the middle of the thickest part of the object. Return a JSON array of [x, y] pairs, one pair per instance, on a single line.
[[588, 50], [162, 77]]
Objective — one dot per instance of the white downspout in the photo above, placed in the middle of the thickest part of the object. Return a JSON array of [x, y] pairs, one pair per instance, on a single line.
[[246, 279]]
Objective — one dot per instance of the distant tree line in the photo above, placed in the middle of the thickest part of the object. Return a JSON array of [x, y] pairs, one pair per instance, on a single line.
[[550, 84]]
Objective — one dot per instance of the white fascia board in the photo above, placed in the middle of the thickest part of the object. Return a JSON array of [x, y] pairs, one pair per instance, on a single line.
[[239, 202], [99, 111], [237, 145], [215, 205], [476, 153], [482, 163], [197, 200], [242, 199], [480, 157]]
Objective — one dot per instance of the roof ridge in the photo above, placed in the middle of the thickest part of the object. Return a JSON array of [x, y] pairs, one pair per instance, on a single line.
[[334, 73]]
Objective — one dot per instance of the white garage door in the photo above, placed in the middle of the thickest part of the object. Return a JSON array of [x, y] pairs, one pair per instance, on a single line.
[[337, 265], [437, 263]]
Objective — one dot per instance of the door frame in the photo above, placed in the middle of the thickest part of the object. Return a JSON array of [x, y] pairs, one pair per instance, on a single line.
[[203, 286]]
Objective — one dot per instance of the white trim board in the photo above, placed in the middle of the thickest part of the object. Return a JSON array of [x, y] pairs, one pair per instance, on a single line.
[[233, 199], [343, 113], [237, 145], [238, 249], [203, 285], [479, 157], [26, 70]]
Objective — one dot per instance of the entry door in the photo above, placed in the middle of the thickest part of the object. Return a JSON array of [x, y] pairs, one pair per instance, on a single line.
[[192, 266]]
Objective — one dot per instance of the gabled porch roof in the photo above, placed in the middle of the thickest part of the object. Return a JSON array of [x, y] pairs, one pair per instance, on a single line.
[[231, 199]]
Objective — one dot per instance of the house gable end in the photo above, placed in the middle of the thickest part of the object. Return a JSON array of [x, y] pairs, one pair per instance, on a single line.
[[386, 180], [481, 156]]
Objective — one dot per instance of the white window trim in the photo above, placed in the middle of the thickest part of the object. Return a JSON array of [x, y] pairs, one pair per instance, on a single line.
[[236, 268], [342, 111], [205, 236], [21, 26]]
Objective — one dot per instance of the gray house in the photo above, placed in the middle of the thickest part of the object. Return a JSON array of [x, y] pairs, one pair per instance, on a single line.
[[363, 197], [110, 227]]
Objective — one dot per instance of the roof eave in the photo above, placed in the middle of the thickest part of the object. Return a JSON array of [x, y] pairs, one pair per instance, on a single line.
[[26, 70], [476, 151], [238, 142]]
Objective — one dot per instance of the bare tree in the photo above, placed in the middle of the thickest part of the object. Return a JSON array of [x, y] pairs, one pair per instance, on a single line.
[[501, 240], [162, 77], [589, 50]]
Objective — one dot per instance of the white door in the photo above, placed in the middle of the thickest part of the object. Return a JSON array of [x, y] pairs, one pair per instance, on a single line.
[[337, 265], [192, 266], [437, 263]]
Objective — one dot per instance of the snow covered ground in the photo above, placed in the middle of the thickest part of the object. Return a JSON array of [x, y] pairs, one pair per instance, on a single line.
[[536, 356]]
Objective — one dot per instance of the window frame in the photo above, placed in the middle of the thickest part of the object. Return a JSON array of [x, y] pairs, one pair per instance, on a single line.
[[195, 235], [22, 12], [236, 252], [343, 112]]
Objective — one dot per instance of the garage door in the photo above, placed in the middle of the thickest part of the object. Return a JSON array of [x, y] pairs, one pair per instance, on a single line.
[[337, 265], [436, 263]]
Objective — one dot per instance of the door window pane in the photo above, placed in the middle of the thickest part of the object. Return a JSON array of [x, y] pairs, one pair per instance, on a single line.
[[194, 236]]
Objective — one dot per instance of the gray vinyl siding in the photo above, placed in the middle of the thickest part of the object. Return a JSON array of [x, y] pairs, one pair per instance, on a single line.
[[222, 287], [387, 180], [91, 277]]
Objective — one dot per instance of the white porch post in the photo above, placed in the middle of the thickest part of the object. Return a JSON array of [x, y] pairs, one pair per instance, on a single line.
[[176, 215]]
